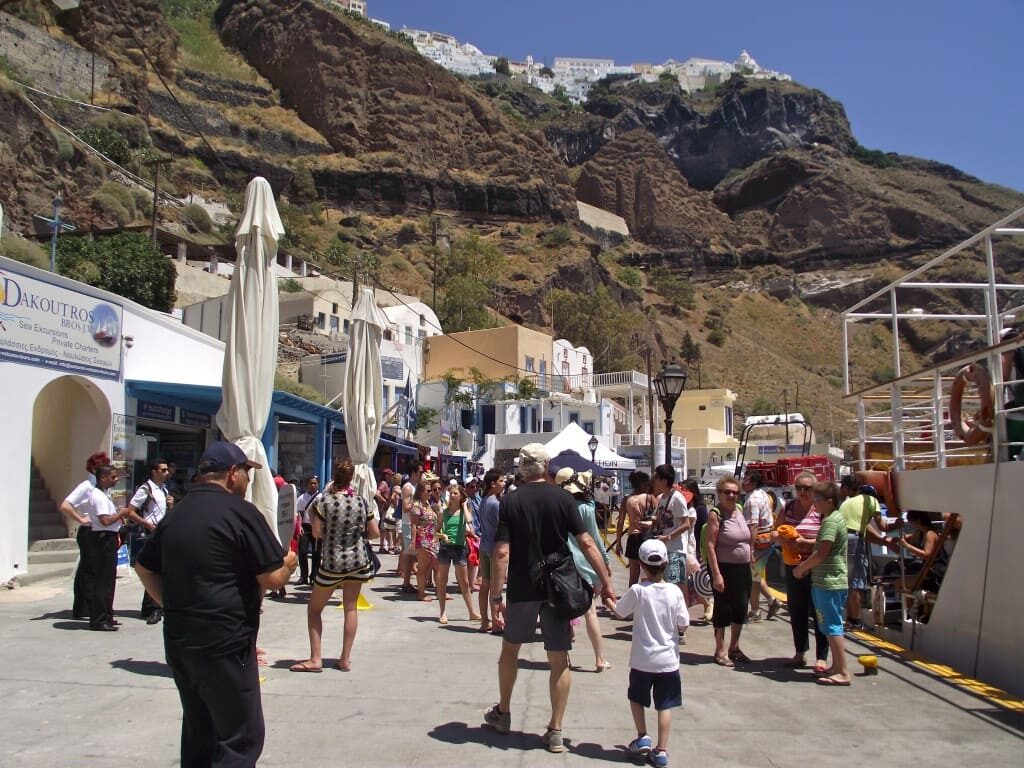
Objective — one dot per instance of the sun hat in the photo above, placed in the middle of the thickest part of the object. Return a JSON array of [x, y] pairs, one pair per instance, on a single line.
[[533, 453], [653, 552], [573, 481]]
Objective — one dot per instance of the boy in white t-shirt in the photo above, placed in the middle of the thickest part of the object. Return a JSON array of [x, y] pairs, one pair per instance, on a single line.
[[659, 612]]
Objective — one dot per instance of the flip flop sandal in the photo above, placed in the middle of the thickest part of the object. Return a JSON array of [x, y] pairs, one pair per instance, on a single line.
[[723, 662], [831, 681], [739, 656], [304, 666]]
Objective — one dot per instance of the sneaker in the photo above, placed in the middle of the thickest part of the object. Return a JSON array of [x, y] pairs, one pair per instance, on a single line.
[[641, 745], [498, 720], [658, 758], [774, 608], [553, 740]]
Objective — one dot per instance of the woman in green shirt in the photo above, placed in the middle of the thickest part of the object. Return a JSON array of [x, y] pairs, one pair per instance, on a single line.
[[827, 566], [456, 525]]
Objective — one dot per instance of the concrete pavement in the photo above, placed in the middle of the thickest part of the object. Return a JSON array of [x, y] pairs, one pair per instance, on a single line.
[[418, 691]]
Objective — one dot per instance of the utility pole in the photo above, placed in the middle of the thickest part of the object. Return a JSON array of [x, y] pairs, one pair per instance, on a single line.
[[785, 399], [433, 266], [156, 163], [650, 404]]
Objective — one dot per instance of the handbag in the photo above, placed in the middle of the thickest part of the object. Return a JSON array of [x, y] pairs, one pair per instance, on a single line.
[[568, 593]]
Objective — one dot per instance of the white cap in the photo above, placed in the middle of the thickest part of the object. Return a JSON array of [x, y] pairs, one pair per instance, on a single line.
[[533, 453], [653, 552]]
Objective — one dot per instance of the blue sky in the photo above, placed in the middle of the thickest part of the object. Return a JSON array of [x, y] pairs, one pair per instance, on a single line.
[[938, 79]]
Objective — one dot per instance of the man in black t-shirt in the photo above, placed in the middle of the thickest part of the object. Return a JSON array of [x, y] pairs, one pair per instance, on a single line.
[[534, 521], [207, 564]]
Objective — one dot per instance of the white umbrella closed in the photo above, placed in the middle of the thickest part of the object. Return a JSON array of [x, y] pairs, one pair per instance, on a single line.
[[250, 357], [362, 398]]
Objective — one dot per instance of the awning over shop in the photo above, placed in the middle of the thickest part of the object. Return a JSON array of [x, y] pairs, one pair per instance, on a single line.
[[284, 406]]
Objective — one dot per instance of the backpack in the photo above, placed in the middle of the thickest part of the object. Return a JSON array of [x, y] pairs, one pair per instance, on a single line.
[[704, 534], [568, 593]]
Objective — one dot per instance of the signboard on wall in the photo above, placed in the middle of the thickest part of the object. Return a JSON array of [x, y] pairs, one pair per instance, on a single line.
[[194, 418], [44, 325], [155, 411], [392, 368]]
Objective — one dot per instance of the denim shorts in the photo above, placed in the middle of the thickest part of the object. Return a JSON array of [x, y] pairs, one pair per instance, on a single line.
[[857, 560], [452, 554], [666, 686], [829, 606]]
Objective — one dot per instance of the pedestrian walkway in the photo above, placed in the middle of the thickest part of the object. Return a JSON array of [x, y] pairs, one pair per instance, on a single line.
[[417, 693]]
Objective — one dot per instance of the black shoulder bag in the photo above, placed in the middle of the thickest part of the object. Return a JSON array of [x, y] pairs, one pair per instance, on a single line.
[[568, 593]]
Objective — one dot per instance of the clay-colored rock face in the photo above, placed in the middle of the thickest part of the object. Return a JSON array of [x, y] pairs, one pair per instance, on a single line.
[[633, 177], [428, 140]]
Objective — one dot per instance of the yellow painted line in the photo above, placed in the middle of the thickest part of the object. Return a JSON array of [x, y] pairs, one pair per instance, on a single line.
[[604, 540], [992, 694]]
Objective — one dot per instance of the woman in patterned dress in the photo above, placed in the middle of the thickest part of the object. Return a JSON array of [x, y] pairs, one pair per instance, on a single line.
[[343, 522], [424, 536]]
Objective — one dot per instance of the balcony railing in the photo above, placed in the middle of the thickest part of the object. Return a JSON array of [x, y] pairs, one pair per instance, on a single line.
[[556, 382], [645, 439]]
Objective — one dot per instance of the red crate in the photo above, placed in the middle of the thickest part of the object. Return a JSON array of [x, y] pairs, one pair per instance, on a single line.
[[769, 471], [821, 466]]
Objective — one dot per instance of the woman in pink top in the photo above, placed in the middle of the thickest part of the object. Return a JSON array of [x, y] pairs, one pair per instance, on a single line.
[[729, 563], [801, 514]]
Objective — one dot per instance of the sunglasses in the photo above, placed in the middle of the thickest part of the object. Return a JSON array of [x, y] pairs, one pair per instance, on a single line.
[[804, 487], [729, 493]]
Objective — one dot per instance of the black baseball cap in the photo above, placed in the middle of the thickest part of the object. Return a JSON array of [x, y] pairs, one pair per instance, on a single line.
[[221, 456]]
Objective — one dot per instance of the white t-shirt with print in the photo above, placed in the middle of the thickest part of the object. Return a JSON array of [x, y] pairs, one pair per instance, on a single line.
[[659, 612], [677, 506]]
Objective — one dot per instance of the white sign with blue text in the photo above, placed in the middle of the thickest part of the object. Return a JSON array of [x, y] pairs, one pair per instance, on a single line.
[[48, 326]]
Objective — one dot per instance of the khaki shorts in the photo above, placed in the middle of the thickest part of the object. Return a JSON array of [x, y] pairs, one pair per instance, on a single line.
[[521, 626]]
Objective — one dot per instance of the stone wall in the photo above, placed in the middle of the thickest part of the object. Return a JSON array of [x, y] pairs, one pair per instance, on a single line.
[[51, 64]]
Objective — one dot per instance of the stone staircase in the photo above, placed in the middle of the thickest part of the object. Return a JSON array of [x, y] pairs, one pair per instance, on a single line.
[[51, 554]]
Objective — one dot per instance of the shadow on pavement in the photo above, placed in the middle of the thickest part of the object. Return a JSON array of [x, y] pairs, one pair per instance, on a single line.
[[461, 733], [140, 667], [71, 625], [66, 614], [597, 752]]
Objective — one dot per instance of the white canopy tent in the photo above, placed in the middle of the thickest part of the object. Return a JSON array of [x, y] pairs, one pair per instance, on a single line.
[[573, 437]]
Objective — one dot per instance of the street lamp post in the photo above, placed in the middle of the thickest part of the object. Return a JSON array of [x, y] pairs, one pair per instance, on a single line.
[[592, 445], [669, 385]]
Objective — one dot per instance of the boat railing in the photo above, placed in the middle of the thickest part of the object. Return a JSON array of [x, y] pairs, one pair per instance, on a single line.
[[963, 297]]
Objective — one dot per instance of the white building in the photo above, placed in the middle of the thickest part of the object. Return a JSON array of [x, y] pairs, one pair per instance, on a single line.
[[448, 52], [67, 354], [356, 6]]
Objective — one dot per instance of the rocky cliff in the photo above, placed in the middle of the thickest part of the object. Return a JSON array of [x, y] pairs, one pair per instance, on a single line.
[[424, 139]]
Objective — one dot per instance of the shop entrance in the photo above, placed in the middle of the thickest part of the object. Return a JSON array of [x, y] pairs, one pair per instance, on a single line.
[[181, 447], [70, 420]]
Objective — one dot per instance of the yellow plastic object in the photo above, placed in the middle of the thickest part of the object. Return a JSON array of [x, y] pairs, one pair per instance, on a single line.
[[870, 663], [363, 604]]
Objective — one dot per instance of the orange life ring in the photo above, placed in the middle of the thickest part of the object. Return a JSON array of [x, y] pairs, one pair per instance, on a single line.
[[979, 429]]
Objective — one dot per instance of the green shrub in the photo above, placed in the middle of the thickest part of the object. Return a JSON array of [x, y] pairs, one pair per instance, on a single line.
[[131, 128], [65, 149], [631, 276], [717, 337], [290, 285], [108, 142], [121, 193], [197, 217], [873, 157], [110, 207], [557, 236], [14, 247], [143, 199]]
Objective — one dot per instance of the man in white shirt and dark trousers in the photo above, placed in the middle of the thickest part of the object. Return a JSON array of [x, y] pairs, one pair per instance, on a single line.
[[146, 509], [106, 521], [309, 548]]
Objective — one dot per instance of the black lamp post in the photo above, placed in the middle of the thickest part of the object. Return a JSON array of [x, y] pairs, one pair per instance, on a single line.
[[592, 445], [669, 385]]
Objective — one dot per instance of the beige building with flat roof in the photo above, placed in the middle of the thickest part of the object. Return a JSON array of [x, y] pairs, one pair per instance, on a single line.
[[510, 352], [705, 418]]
